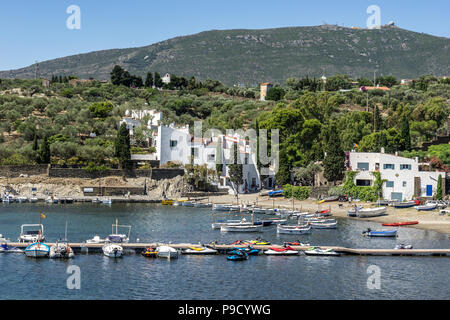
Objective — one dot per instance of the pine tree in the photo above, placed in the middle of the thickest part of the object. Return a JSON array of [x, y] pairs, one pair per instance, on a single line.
[[334, 161], [235, 168], [149, 80], [122, 147]]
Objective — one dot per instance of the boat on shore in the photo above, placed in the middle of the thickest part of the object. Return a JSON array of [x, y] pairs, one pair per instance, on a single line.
[[112, 250], [426, 207], [405, 204], [399, 224], [371, 212], [33, 200], [381, 233], [323, 213]]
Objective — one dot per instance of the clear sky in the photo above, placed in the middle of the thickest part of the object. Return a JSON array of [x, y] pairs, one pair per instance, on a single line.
[[36, 30]]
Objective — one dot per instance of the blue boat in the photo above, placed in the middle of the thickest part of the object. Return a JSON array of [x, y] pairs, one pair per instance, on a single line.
[[275, 193], [238, 256], [249, 251], [265, 223], [382, 233]]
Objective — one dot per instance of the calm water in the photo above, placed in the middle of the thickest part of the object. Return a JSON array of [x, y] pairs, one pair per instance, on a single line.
[[211, 277]]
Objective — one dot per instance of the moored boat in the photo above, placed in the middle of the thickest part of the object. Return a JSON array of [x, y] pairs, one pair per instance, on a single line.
[[238, 256], [199, 250], [61, 250], [166, 252], [293, 229], [112, 250], [426, 207], [241, 228], [31, 235], [286, 251], [37, 250], [314, 251], [381, 233], [371, 212], [4, 248], [320, 225], [403, 246], [167, 202], [402, 205]]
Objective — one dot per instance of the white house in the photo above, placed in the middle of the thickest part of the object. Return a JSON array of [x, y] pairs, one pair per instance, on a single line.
[[404, 178], [166, 78]]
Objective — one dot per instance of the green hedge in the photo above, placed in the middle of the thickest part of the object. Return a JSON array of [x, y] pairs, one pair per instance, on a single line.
[[299, 193], [364, 193]]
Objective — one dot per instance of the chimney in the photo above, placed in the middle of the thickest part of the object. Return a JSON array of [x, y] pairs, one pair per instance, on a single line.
[[382, 149], [396, 153]]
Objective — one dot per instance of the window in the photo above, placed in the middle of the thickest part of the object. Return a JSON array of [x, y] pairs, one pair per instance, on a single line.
[[389, 166], [173, 143], [363, 183], [404, 183], [363, 166], [405, 167], [211, 157], [246, 159], [389, 184]]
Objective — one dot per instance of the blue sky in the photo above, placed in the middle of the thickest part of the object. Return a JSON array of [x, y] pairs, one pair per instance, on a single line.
[[36, 30]]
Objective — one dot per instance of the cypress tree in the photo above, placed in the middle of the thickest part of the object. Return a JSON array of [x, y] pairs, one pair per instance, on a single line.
[[122, 147], [405, 134], [439, 188], [149, 80], [157, 80], [219, 164], [235, 169], [334, 161], [44, 152]]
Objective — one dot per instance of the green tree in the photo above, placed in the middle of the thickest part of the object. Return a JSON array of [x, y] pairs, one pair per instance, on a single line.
[[335, 158], [405, 134], [149, 80], [122, 147], [44, 151], [158, 81], [235, 168], [439, 188], [276, 93]]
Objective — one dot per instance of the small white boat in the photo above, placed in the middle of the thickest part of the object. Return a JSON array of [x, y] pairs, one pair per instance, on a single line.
[[51, 200], [37, 250], [112, 250], [241, 228], [7, 198], [22, 199], [28, 233], [61, 250], [287, 251], [188, 203], [96, 200], [166, 252], [270, 211], [220, 223], [97, 239], [321, 252], [202, 205], [426, 207], [371, 212], [403, 246], [199, 250], [119, 237], [293, 229], [320, 225], [107, 201], [3, 239], [33, 199], [258, 210]]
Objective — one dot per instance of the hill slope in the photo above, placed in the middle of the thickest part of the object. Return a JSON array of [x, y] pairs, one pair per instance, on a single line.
[[253, 56]]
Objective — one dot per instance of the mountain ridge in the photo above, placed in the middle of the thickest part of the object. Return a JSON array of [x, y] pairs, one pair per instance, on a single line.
[[251, 56]]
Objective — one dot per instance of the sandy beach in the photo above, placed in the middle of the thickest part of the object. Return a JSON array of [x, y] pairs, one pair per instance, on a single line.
[[428, 220]]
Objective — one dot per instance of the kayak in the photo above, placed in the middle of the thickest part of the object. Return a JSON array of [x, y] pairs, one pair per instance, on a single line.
[[398, 224]]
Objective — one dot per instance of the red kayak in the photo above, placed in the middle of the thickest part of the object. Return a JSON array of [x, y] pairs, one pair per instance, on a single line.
[[399, 224]]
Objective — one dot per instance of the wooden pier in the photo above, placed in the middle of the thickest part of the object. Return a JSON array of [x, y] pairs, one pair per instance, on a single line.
[[85, 248]]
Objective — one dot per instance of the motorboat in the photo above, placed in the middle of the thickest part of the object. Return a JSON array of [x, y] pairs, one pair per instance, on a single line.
[[426, 207], [403, 246], [167, 202], [166, 252], [382, 233], [371, 212], [241, 228], [61, 250], [199, 250], [37, 250], [296, 243], [7, 198], [112, 250], [238, 256], [97, 239], [4, 248], [293, 229], [314, 251], [149, 252], [188, 203], [33, 199], [202, 205], [3, 239], [28, 233], [107, 201], [286, 251]]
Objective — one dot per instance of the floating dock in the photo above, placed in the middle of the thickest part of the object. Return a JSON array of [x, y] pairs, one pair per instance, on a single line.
[[85, 248]]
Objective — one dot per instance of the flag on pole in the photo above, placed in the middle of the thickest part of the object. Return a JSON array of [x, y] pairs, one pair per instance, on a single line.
[[43, 216]]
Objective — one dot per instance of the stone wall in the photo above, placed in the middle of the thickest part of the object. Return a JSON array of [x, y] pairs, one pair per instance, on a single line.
[[316, 192], [155, 174], [112, 191], [16, 171]]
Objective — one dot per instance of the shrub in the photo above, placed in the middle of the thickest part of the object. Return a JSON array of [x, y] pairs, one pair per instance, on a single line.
[[298, 192]]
